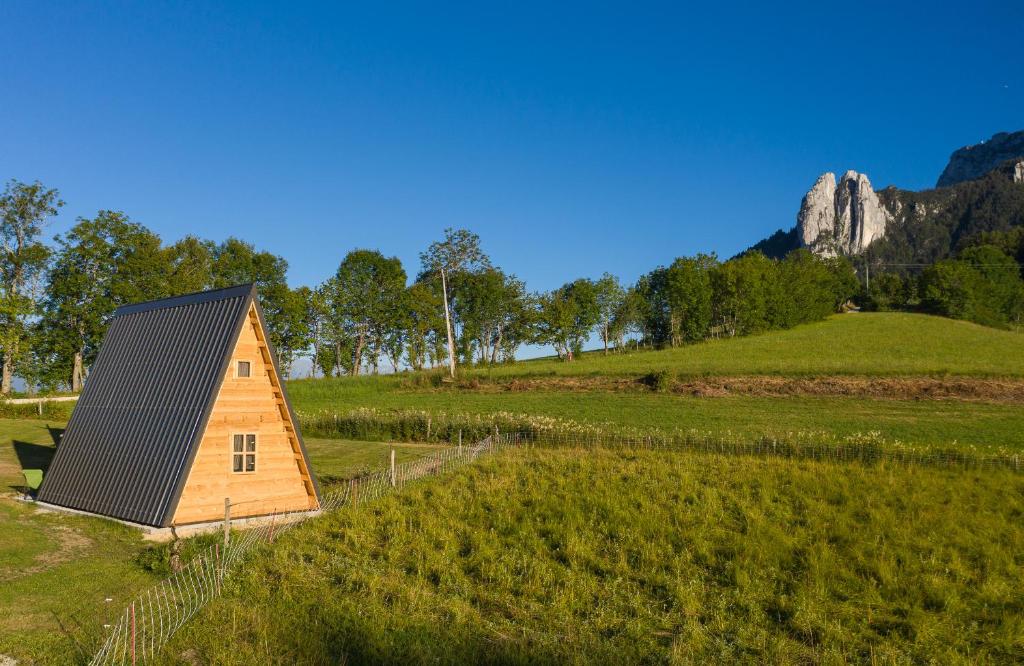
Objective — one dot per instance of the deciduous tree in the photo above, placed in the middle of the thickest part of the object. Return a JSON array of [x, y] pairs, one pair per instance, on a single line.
[[24, 210]]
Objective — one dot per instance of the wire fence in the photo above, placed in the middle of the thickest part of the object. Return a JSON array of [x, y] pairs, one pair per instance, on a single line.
[[866, 449], [152, 618]]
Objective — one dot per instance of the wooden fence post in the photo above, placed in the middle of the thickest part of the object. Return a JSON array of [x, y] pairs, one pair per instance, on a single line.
[[227, 522], [133, 633], [393, 468], [460, 441]]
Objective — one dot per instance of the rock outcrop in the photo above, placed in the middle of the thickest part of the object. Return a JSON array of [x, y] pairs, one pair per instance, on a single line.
[[973, 162], [841, 218], [985, 193]]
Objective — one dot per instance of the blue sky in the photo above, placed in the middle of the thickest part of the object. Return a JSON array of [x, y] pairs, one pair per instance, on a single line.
[[574, 139]]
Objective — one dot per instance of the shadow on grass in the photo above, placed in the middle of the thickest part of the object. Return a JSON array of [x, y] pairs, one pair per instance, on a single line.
[[351, 640], [33, 456]]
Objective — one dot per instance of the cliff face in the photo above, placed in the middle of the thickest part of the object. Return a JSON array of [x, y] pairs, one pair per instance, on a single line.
[[981, 190], [841, 218], [973, 162]]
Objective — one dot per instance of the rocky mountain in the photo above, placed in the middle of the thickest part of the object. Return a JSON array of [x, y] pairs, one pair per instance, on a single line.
[[848, 217], [841, 218], [973, 162]]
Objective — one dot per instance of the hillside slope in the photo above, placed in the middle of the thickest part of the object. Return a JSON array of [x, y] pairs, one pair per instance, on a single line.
[[642, 557], [915, 379], [882, 344]]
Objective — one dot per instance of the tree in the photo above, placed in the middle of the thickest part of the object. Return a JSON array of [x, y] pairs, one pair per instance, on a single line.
[[448, 259], [688, 285], [982, 285], [190, 265], [948, 288], [100, 264], [566, 316], [610, 296], [888, 291], [314, 307], [629, 316], [742, 290], [365, 298], [293, 333], [24, 209], [424, 323], [810, 288], [236, 262], [999, 291], [489, 304]]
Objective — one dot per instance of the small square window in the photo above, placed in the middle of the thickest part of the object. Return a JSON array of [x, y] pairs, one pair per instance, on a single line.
[[244, 369]]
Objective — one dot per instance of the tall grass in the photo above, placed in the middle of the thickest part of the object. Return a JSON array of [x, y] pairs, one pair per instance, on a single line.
[[60, 411], [423, 426], [642, 557]]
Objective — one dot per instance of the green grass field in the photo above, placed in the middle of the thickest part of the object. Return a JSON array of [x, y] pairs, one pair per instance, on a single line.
[[868, 343], [564, 556], [559, 557], [922, 423], [57, 570]]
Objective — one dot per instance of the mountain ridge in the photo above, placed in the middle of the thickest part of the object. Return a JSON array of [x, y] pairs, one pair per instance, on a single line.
[[985, 193]]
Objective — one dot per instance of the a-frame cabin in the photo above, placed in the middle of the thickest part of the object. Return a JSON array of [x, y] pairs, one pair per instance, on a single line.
[[185, 406]]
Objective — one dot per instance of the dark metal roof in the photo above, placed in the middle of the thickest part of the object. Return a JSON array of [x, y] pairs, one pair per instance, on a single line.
[[133, 435]]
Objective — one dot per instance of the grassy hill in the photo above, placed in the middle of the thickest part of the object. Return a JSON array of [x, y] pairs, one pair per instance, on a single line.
[[556, 557], [868, 343], [850, 376]]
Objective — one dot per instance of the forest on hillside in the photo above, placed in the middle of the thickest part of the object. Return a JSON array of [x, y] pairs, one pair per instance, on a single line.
[[455, 308]]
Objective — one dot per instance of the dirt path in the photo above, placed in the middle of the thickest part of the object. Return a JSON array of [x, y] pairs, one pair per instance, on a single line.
[[892, 388]]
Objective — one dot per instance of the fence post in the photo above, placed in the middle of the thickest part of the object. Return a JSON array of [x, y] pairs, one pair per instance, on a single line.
[[352, 486], [227, 522], [392, 468], [460, 441], [133, 633]]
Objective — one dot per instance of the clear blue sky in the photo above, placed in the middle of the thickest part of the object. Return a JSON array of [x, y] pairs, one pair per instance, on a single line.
[[574, 140]]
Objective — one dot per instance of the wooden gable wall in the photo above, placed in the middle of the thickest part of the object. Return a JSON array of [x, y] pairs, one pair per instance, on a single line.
[[255, 404]]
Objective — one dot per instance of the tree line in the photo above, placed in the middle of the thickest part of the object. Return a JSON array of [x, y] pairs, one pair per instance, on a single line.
[[981, 283], [56, 300]]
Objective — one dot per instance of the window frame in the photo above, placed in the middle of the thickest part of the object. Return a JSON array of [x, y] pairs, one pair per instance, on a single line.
[[245, 453], [239, 362]]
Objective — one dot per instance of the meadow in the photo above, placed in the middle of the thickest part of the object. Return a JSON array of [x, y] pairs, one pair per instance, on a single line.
[[542, 556], [908, 379], [867, 343], [58, 570], [582, 555]]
